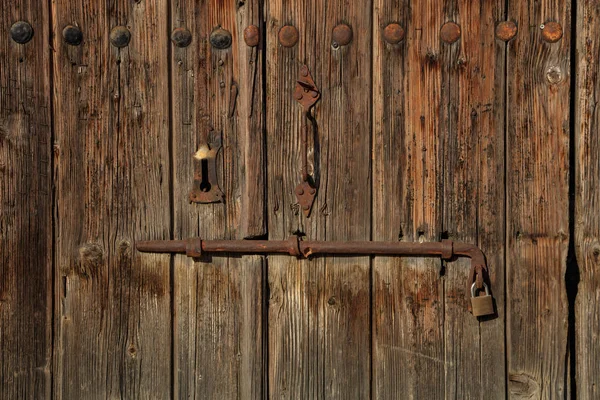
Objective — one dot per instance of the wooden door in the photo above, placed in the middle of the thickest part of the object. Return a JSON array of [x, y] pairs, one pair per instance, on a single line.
[[473, 121]]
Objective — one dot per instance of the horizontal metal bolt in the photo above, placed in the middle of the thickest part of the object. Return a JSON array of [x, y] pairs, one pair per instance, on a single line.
[[506, 30], [220, 39], [393, 33], [120, 36], [21, 32], [181, 37], [450, 32], [341, 35], [72, 35], [251, 35], [288, 36], [552, 32]]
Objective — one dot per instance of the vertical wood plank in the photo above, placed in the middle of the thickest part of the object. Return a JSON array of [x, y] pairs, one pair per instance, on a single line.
[[408, 322], [537, 202], [472, 169], [587, 208], [25, 205], [319, 310], [113, 324], [219, 302]]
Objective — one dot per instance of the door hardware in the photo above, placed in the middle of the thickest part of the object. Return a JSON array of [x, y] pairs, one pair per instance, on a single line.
[[446, 250], [307, 94], [21, 32], [206, 188]]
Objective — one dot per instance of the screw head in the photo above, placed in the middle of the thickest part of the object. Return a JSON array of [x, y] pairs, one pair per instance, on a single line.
[[252, 35], [181, 37], [341, 35], [220, 39], [450, 32], [393, 33], [72, 35], [21, 32], [288, 36], [506, 30], [552, 32], [120, 36]]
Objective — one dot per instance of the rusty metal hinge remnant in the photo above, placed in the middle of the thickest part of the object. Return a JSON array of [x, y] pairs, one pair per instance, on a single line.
[[206, 188], [307, 94], [478, 280]]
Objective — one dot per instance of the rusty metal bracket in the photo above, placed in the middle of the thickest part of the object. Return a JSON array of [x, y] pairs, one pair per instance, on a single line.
[[307, 94], [446, 250], [206, 188]]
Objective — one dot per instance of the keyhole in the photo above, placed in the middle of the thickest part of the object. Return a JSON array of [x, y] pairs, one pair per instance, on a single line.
[[205, 184]]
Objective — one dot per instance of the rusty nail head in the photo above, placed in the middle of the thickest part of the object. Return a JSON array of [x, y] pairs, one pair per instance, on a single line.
[[552, 32], [299, 191], [72, 35], [450, 32], [120, 36], [506, 30], [251, 35], [304, 70], [288, 36], [181, 37], [298, 95], [341, 35], [220, 38], [393, 33], [21, 32]]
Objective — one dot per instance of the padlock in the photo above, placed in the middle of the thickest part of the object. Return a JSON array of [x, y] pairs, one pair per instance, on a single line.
[[481, 305]]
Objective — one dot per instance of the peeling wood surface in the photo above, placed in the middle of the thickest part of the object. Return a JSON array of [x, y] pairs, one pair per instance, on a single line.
[[25, 206]]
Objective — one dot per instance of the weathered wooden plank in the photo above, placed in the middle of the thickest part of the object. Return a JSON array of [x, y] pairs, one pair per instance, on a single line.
[[25, 205], [587, 207], [472, 168], [537, 172], [408, 322], [219, 302], [113, 325], [319, 310]]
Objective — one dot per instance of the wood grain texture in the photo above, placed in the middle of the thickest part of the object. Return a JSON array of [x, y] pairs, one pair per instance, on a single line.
[[587, 207], [113, 319], [537, 201], [319, 310], [219, 302], [25, 205]]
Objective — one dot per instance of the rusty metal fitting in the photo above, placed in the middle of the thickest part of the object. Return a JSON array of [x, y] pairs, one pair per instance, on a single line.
[[21, 32], [341, 35], [447, 251], [220, 38], [506, 30], [193, 248], [450, 32], [393, 33], [120, 36], [72, 35], [181, 37], [288, 36], [552, 32], [252, 35]]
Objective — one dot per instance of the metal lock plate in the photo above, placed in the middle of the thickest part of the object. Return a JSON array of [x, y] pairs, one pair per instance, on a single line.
[[206, 188], [482, 305]]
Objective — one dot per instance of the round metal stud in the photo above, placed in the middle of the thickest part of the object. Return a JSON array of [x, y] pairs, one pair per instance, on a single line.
[[341, 35], [393, 33], [552, 32], [181, 37], [288, 36], [72, 35], [120, 36], [21, 32], [251, 35], [450, 32], [220, 39], [506, 30]]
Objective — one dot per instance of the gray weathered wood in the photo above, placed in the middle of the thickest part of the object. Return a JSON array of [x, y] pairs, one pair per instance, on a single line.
[[537, 170], [218, 302], [25, 205], [112, 304]]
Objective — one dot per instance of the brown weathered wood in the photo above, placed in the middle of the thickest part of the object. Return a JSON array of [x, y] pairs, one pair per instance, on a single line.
[[113, 319], [25, 205], [537, 146], [587, 207], [319, 310], [218, 302]]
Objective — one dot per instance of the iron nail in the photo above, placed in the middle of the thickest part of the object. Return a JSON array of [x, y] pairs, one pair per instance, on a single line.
[[299, 191], [288, 36], [306, 207], [450, 32], [181, 37], [120, 36], [72, 35], [552, 32], [21, 32], [342, 35], [298, 95], [220, 39], [393, 33], [313, 191], [506, 30], [251, 35]]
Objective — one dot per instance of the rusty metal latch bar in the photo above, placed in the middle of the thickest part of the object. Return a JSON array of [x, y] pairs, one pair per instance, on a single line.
[[307, 94], [446, 250]]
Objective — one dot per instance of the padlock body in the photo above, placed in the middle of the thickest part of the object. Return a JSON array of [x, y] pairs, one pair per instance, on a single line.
[[482, 305]]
